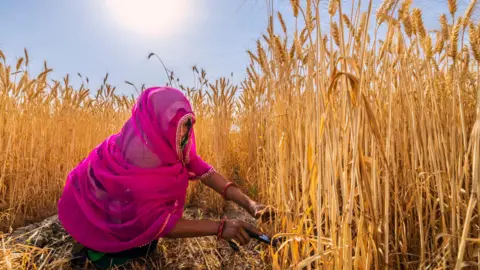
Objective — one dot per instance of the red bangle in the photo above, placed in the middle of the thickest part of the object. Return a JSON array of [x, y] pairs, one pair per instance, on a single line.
[[229, 184], [220, 229]]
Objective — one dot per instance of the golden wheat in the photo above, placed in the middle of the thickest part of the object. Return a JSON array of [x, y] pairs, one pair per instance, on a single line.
[[452, 7], [369, 152], [332, 7]]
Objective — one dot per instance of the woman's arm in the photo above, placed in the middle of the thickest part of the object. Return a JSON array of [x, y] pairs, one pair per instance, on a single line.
[[217, 182], [199, 169], [194, 228], [233, 229]]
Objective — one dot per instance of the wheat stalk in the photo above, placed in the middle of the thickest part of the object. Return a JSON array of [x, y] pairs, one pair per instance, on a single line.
[[332, 7], [469, 12], [418, 23], [295, 6], [407, 24], [282, 22], [454, 37], [452, 7], [336, 33], [445, 26]]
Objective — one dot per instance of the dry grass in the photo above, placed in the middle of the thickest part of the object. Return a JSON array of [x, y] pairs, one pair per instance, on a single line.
[[46, 245], [368, 144]]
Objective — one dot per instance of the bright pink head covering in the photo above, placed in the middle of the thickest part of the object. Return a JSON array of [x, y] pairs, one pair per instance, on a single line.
[[131, 188]]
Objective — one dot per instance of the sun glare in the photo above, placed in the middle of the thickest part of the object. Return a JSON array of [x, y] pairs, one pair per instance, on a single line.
[[151, 17]]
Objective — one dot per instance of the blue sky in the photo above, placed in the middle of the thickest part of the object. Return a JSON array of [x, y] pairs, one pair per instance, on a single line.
[[92, 38]]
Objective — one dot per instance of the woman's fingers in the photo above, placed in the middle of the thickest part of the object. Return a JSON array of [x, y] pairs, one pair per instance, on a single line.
[[268, 212], [245, 236], [252, 228], [241, 237], [264, 212]]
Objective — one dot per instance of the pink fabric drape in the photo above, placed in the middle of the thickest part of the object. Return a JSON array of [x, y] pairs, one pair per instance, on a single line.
[[131, 188]]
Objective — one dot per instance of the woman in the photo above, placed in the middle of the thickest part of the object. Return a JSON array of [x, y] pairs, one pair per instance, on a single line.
[[130, 191]]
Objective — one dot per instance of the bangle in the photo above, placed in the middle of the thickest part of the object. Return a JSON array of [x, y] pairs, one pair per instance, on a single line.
[[229, 184], [220, 229]]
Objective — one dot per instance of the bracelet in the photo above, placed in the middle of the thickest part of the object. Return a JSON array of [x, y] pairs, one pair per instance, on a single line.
[[220, 229], [229, 184]]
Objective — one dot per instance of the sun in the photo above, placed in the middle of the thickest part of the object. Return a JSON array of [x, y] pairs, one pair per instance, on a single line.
[[151, 17]]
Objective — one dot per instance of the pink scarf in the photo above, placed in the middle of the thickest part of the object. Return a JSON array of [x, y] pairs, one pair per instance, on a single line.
[[131, 188]]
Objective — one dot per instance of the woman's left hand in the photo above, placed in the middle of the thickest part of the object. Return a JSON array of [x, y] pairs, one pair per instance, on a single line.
[[262, 211]]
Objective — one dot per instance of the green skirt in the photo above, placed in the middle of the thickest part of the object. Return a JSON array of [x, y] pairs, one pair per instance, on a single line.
[[107, 260]]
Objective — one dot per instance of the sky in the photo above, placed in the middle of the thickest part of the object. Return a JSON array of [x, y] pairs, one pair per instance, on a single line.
[[95, 37]]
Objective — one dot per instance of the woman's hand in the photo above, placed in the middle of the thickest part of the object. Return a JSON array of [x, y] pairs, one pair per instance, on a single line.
[[217, 182], [262, 211], [235, 229]]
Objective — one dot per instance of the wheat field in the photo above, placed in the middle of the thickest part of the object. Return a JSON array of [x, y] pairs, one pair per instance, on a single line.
[[367, 141]]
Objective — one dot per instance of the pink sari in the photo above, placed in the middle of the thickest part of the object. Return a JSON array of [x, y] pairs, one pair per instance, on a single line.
[[131, 188]]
